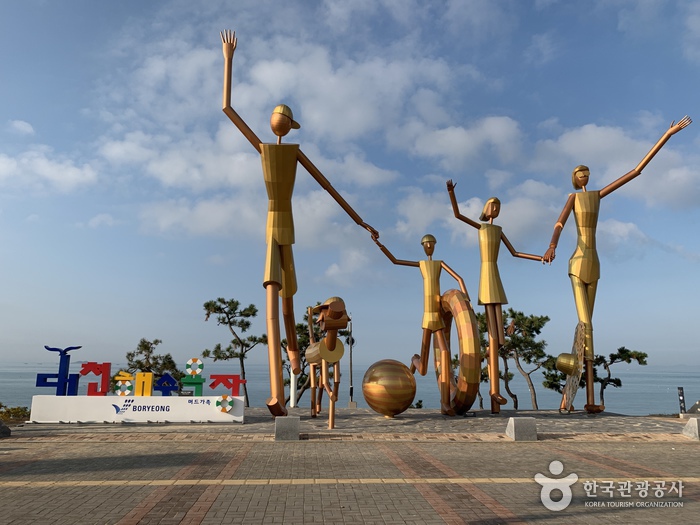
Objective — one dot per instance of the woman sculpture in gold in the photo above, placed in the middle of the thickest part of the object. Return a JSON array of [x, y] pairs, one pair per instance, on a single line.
[[432, 318], [584, 267], [279, 162], [491, 293]]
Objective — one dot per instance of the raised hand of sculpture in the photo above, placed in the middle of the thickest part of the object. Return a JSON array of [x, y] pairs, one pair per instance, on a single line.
[[432, 318], [279, 163], [491, 293], [584, 266]]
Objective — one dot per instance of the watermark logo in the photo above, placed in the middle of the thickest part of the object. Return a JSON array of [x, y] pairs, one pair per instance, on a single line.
[[563, 485], [557, 494]]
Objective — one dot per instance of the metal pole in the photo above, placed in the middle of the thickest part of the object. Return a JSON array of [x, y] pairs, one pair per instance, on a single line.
[[681, 399], [293, 390], [351, 403]]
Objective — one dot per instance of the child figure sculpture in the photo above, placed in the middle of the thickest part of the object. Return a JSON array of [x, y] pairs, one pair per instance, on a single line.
[[279, 163], [491, 293], [432, 318]]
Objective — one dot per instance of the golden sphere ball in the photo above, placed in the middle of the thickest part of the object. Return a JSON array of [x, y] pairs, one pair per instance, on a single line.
[[389, 387]]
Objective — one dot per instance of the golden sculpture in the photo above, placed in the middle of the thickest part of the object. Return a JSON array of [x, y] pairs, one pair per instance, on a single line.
[[279, 163], [584, 267], [332, 317], [432, 318], [389, 387], [491, 293]]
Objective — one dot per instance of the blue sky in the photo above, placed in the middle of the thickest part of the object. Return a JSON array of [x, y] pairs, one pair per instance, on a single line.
[[128, 199]]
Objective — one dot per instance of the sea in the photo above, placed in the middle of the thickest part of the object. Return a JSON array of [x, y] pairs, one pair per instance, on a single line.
[[650, 389]]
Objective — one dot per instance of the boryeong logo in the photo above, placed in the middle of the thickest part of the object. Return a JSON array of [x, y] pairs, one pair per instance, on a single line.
[[129, 405]]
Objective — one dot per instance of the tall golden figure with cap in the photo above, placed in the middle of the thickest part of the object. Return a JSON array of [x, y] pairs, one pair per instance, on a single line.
[[584, 267], [491, 292], [432, 317], [279, 162]]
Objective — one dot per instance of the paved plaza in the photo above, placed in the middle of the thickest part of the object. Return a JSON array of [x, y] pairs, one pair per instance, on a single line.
[[420, 467]]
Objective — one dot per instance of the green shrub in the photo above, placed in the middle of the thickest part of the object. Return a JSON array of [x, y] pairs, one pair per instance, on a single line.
[[14, 414]]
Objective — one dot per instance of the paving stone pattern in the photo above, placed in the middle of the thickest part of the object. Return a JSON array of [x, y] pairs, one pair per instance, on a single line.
[[419, 467]]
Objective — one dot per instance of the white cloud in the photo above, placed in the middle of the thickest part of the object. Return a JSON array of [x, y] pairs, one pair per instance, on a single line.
[[39, 169], [621, 241], [102, 219], [240, 216], [419, 211], [691, 37], [479, 20], [351, 169], [21, 127], [496, 179], [352, 265], [542, 50], [610, 153], [454, 146]]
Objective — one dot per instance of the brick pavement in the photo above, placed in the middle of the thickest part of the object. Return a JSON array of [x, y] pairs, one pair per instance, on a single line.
[[418, 468]]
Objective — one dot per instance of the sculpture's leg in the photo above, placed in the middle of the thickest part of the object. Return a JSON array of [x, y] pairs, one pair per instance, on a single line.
[[445, 379], [291, 333], [319, 397], [420, 362], [312, 377], [499, 324], [584, 297], [289, 288], [494, 344], [334, 397], [275, 403]]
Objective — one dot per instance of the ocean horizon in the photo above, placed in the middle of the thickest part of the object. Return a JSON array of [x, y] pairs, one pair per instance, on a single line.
[[650, 389]]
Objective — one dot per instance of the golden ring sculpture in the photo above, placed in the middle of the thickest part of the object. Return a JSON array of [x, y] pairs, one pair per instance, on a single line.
[[455, 306]]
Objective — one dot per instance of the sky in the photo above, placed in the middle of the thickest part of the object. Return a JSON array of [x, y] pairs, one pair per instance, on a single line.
[[128, 199]]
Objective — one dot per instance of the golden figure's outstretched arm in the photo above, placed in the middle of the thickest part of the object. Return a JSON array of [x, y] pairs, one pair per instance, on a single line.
[[519, 254], [458, 278], [229, 42], [558, 227], [672, 130], [391, 257], [455, 206], [326, 185]]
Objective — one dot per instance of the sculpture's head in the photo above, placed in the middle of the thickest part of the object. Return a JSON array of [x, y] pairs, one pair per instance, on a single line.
[[428, 242], [491, 209], [579, 177], [282, 120]]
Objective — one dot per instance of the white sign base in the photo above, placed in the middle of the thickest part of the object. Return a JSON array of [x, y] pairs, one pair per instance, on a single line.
[[133, 409]]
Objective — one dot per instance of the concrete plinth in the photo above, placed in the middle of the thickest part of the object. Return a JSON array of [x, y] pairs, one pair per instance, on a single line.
[[522, 429], [691, 429], [287, 428]]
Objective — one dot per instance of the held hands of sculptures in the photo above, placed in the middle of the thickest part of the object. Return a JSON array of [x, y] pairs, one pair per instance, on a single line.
[[374, 233], [450, 186], [229, 42], [549, 255]]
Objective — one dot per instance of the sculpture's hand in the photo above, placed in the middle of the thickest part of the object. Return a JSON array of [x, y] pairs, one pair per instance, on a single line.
[[228, 42], [450, 186], [374, 233], [549, 255], [682, 123]]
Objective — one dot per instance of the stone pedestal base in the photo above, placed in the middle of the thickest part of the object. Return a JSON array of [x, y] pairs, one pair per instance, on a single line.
[[522, 429], [287, 428]]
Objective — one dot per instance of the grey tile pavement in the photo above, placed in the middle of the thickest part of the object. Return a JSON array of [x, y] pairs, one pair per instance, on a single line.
[[420, 467]]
